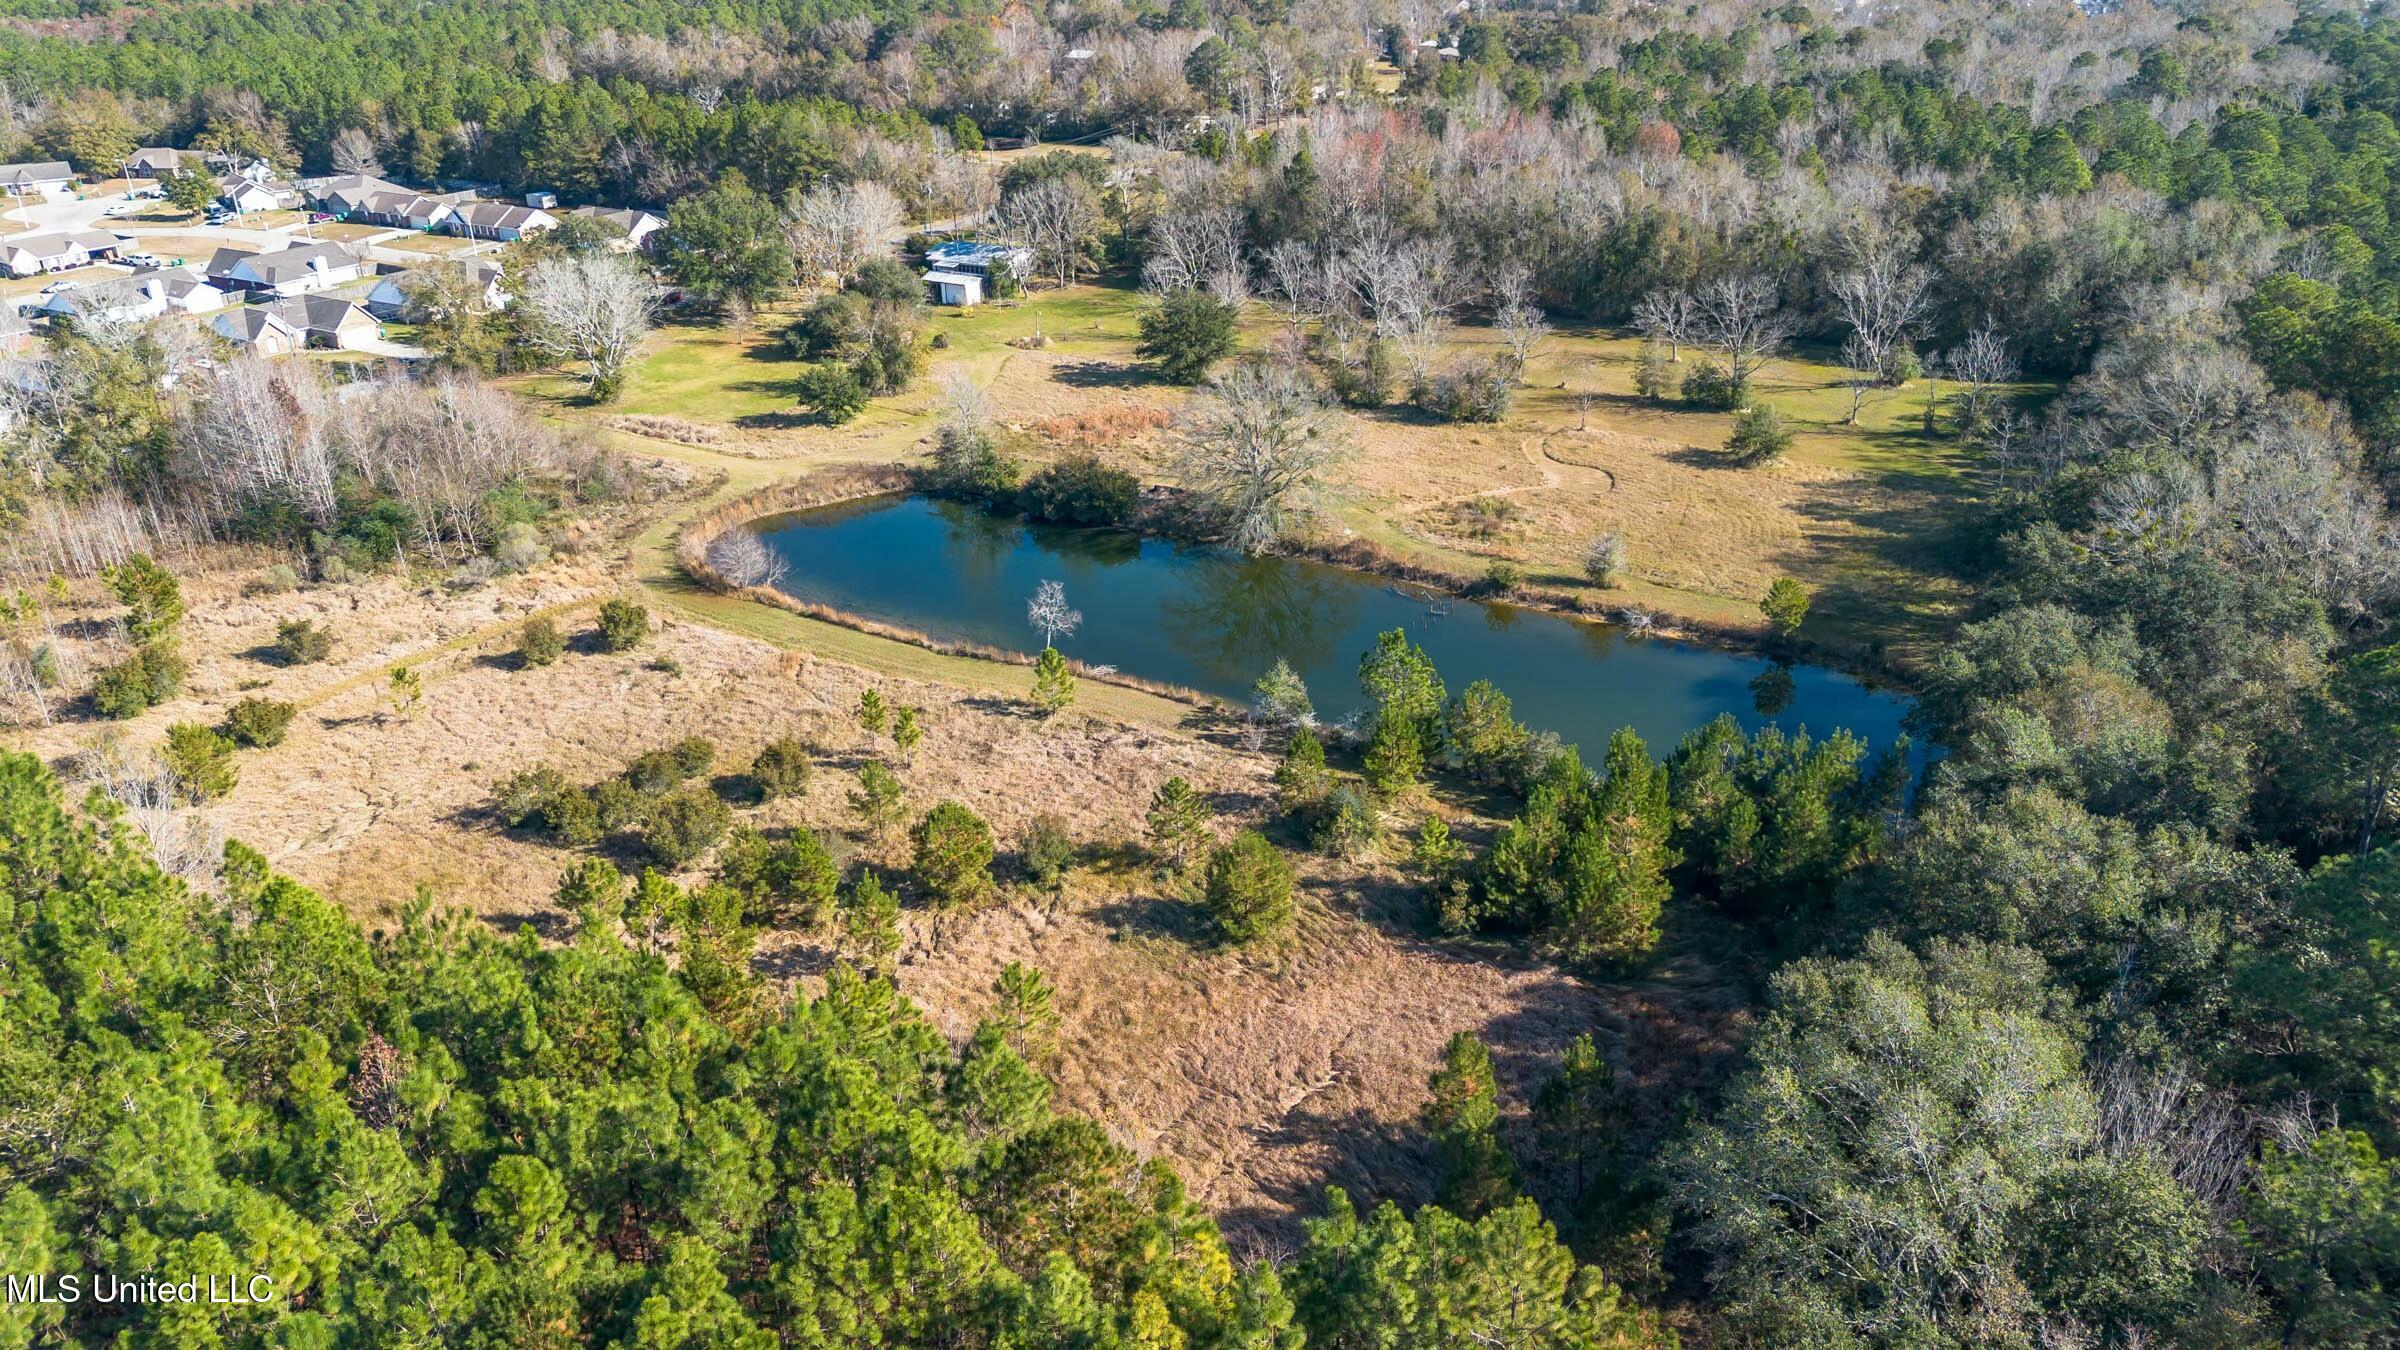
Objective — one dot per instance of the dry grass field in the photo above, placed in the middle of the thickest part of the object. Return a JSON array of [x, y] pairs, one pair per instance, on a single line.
[[1261, 1075]]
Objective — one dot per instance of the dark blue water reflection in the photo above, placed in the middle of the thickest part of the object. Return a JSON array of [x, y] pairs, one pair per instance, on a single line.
[[1214, 621]]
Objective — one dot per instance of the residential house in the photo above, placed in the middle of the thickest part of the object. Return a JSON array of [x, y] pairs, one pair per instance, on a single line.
[[342, 196], [327, 321], [638, 225], [959, 272], [137, 298], [112, 300], [185, 291], [292, 271], [501, 220], [391, 296], [260, 330], [248, 194], [28, 254], [404, 210], [49, 179], [161, 161]]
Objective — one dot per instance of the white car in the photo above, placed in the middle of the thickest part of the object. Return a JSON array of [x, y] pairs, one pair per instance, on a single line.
[[142, 262], [120, 208], [56, 286]]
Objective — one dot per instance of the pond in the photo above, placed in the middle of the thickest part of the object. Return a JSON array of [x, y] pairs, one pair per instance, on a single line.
[[1215, 621]]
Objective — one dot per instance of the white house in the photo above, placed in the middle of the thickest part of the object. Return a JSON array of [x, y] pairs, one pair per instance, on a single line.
[[637, 224], [28, 254], [47, 179], [959, 272], [137, 298], [501, 220], [392, 294], [249, 194], [291, 271], [113, 300]]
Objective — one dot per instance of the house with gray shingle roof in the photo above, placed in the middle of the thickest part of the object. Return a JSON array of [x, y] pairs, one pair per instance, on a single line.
[[46, 179], [291, 271]]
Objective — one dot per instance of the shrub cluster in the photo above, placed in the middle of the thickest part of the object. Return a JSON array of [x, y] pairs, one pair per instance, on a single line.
[[676, 819]]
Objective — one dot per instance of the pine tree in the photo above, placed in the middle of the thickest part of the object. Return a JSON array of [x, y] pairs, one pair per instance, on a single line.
[[1616, 859], [1178, 823], [1576, 1116], [871, 925], [1477, 1175], [877, 799], [1302, 780], [1053, 683], [953, 854], [1026, 1015]]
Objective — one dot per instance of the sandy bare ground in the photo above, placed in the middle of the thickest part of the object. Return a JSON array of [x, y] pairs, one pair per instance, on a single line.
[[1262, 1076]]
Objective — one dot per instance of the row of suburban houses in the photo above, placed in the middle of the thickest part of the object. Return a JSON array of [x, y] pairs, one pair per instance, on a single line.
[[373, 201]]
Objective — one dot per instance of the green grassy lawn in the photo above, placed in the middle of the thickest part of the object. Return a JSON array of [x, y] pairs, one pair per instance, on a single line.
[[1864, 514]]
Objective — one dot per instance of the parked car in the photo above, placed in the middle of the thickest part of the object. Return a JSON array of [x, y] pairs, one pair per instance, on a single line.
[[120, 208], [142, 262], [320, 218], [56, 286]]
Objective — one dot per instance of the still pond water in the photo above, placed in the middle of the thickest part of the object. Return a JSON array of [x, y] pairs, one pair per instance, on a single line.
[[1213, 621]]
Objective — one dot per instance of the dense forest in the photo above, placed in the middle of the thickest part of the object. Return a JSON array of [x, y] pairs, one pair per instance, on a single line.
[[2088, 1038]]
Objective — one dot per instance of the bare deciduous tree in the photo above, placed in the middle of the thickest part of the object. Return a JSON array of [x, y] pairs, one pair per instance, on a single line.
[[744, 559], [1517, 313], [595, 310], [1304, 281], [1669, 315], [1050, 614], [1980, 364], [1057, 218], [353, 151], [1191, 250], [1255, 448], [1741, 319], [841, 229], [1884, 299]]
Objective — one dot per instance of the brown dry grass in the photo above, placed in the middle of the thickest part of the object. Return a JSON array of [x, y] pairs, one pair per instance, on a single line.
[[1260, 1075]]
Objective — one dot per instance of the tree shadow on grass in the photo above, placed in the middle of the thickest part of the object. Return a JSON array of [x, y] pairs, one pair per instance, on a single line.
[[1089, 374], [1155, 916]]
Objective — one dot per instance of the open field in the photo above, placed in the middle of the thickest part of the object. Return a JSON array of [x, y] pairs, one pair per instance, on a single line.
[[1860, 514], [1261, 1075]]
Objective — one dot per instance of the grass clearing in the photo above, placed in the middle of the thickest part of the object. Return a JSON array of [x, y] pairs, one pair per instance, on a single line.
[[1860, 514]]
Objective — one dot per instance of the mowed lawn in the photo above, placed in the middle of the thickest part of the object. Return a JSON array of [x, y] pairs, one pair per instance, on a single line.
[[1864, 515]]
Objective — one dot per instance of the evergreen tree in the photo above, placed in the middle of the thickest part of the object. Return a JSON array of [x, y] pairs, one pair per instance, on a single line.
[[1053, 683], [1477, 1175], [1178, 823], [953, 854], [1249, 889], [1617, 856]]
